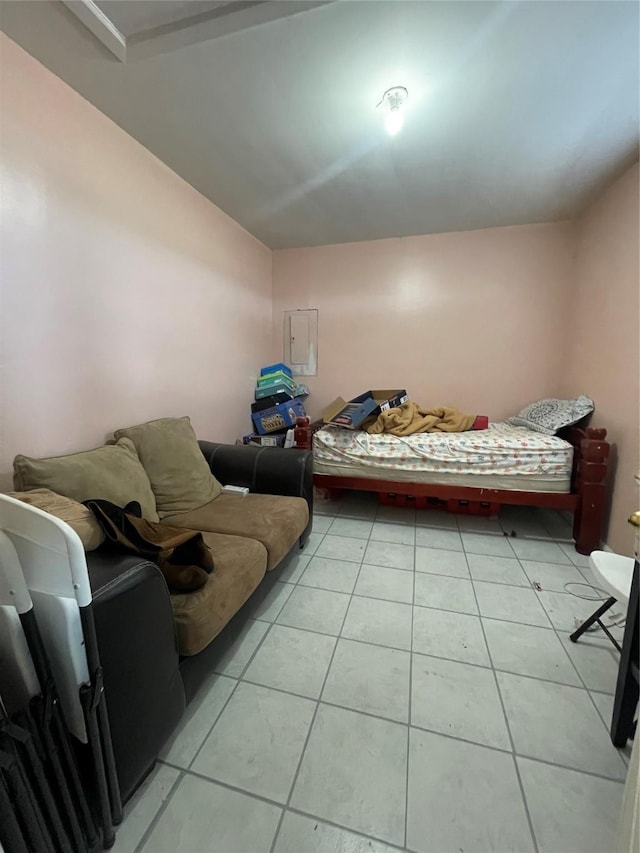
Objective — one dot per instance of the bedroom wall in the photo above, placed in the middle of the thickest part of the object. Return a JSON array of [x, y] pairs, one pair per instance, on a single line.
[[472, 319], [602, 352], [125, 294]]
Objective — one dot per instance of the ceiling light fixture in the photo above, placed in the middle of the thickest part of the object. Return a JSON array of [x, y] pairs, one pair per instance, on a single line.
[[393, 101]]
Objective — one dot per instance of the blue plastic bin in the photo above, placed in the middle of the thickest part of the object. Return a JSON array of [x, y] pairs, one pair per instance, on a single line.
[[274, 368], [278, 417]]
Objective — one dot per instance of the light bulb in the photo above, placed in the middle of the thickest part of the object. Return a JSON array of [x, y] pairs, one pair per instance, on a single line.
[[394, 121]]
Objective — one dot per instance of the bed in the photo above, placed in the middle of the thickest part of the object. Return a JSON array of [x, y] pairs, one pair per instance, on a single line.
[[473, 472]]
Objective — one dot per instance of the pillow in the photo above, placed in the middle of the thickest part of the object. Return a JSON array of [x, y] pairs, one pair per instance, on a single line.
[[180, 476], [77, 516], [112, 473], [549, 416]]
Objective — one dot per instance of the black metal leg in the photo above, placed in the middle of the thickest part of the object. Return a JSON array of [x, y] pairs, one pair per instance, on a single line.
[[69, 811], [99, 732], [56, 739], [595, 617], [58, 733], [626, 698], [610, 636], [20, 733], [93, 733], [11, 835], [27, 809], [110, 762]]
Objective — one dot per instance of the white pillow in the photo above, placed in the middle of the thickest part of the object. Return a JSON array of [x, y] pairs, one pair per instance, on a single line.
[[550, 415]]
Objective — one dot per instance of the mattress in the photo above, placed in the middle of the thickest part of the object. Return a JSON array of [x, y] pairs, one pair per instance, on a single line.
[[501, 457]]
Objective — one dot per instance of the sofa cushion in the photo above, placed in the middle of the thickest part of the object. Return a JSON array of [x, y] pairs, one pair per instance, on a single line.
[[201, 615], [275, 521], [111, 473], [180, 477], [78, 517]]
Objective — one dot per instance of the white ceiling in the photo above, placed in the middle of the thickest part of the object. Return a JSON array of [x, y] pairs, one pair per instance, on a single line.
[[518, 111]]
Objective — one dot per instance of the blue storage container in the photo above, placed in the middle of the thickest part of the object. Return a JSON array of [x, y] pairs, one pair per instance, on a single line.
[[276, 387], [271, 401], [274, 368], [278, 417]]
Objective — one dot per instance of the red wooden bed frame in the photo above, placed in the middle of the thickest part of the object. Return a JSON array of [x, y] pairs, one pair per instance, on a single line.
[[586, 500]]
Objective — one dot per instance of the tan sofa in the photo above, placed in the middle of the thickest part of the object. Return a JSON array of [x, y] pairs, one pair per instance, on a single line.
[[179, 482], [156, 648]]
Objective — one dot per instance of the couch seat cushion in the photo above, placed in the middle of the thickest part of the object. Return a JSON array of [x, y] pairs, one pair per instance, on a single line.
[[111, 473], [275, 521], [180, 477], [239, 566]]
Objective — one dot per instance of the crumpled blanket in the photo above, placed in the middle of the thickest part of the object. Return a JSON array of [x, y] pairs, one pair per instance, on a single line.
[[410, 418]]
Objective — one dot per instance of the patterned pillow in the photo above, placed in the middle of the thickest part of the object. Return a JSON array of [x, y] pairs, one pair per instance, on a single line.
[[549, 416]]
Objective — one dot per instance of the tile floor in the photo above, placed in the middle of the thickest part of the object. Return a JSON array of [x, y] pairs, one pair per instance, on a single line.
[[399, 684]]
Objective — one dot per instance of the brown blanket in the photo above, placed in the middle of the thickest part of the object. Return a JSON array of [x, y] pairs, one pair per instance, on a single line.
[[410, 418]]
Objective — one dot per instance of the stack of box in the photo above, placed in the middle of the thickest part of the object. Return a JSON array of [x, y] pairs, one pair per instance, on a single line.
[[278, 403], [275, 379]]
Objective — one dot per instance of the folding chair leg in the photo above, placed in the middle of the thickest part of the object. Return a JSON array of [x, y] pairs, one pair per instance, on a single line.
[[595, 617], [19, 732], [58, 776], [56, 738], [110, 763], [12, 839], [87, 697], [27, 810], [610, 636], [99, 706]]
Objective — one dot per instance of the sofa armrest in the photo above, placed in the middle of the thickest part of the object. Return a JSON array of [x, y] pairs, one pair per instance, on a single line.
[[139, 656], [265, 470]]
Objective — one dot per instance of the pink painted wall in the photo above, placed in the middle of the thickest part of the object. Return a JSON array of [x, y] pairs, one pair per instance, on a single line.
[[125, 294], [602, 353], [473, 319]]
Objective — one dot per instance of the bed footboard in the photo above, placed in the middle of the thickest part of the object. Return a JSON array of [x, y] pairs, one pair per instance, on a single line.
[[588, 482]]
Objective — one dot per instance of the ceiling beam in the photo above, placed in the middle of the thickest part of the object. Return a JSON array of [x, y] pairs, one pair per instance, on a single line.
[[231, 17], [100, 25]]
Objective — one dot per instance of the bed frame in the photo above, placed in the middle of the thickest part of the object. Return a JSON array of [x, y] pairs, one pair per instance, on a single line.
[[586, 500]]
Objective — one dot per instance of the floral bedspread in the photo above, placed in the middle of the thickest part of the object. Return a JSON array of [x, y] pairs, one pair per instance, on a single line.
[[501, 449]]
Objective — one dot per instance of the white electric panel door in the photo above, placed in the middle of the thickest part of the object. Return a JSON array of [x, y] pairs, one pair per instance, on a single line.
[[301, 341]]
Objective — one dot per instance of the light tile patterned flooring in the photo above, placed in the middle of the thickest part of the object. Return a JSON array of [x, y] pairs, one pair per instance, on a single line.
[[399, 684]]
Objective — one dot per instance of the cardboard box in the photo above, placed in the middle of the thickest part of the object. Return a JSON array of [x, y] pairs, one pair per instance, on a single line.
[[278, 417], [270, 401], [276, 376], [273, 368], [273, 390], [275, 440], [352, 414]]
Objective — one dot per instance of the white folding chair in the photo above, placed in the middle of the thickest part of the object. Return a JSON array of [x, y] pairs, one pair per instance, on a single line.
[[29, 689], [51, 560], [614, 574]]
